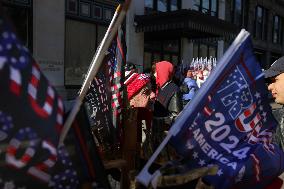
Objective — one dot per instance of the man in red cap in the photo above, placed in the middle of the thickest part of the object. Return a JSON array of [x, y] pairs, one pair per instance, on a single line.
[[140, 98], [139, 90]]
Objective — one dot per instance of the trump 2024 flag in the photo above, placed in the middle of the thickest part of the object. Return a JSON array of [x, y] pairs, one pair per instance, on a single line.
[[229, 123]]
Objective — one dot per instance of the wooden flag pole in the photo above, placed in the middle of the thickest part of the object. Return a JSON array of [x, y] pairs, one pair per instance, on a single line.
[[117, 19]]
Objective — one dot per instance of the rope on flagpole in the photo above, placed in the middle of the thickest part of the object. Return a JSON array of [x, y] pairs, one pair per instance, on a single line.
[[117, 19]]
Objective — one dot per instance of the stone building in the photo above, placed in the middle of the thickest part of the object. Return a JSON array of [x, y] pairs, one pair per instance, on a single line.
[[63, 35], [264, 20]]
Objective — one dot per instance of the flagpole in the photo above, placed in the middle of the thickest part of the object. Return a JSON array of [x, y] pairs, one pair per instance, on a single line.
[[117, 19]]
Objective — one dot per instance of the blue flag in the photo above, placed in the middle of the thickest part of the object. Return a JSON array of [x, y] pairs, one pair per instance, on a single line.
[[232, 126], [229, 123]]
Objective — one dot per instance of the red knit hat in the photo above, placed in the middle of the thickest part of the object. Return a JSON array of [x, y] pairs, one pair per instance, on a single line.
[[135, 83]]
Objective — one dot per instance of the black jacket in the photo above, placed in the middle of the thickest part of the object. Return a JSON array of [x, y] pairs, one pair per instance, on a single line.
[[168, 104]]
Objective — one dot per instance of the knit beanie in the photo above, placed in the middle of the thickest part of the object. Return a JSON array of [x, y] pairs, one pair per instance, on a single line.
[[135, 83]]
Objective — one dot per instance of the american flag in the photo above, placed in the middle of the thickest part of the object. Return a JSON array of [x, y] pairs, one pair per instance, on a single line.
[[116, 70], [31, 116], [105, 96], [31, 120]]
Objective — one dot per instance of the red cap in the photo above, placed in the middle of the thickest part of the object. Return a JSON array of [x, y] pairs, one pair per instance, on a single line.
[[135, 83]]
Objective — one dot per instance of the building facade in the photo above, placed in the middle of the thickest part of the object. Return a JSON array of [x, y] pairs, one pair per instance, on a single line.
[[264, 20], [63, 35]]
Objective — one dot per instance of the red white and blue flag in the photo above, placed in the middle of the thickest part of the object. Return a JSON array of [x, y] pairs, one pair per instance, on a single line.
[[31, 120], [229, 123], [105, 96]]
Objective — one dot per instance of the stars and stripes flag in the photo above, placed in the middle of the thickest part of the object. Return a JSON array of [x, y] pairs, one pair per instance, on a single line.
[[116, 65], [31, 120], [229, 123], [105, 96]]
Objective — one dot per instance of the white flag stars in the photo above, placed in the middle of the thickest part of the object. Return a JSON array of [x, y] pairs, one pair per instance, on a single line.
[[195, 155], [201, 162], [220, 172], [257, 95]]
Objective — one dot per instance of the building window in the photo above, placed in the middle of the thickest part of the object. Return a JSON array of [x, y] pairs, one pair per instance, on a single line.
[[85, 9], [89, 10], [98, 13], [152, 6], [204, 50], [162, 5], [237, 14], [155, 51], [196, 5], [85, 26], [277, 28], [174, 5], [260, 23], [214, 5], [80, 45], [21, 16], [72, 6], [108, 13], [209, 7]]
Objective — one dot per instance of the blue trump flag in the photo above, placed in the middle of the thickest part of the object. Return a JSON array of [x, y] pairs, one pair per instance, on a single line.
[[229, 123]]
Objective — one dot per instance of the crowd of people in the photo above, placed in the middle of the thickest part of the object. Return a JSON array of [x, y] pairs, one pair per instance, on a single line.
[[164, 96], [155, 100]]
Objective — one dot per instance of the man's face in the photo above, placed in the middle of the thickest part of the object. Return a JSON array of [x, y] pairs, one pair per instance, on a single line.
[[277, 88], [189, 74], [143, 98]]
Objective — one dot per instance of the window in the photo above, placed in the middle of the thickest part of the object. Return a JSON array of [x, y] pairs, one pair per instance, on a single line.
[[85, 26], [21, 17], [196, 5], [162, 5], [204, 50], [277, 29], [72, 6], [152, 6], [89, 10], [174, 5], [80, 45], [238, 12], [155, 51], [85, 9], [260, 23], [149, 6], [214, 6], [209, 7]]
